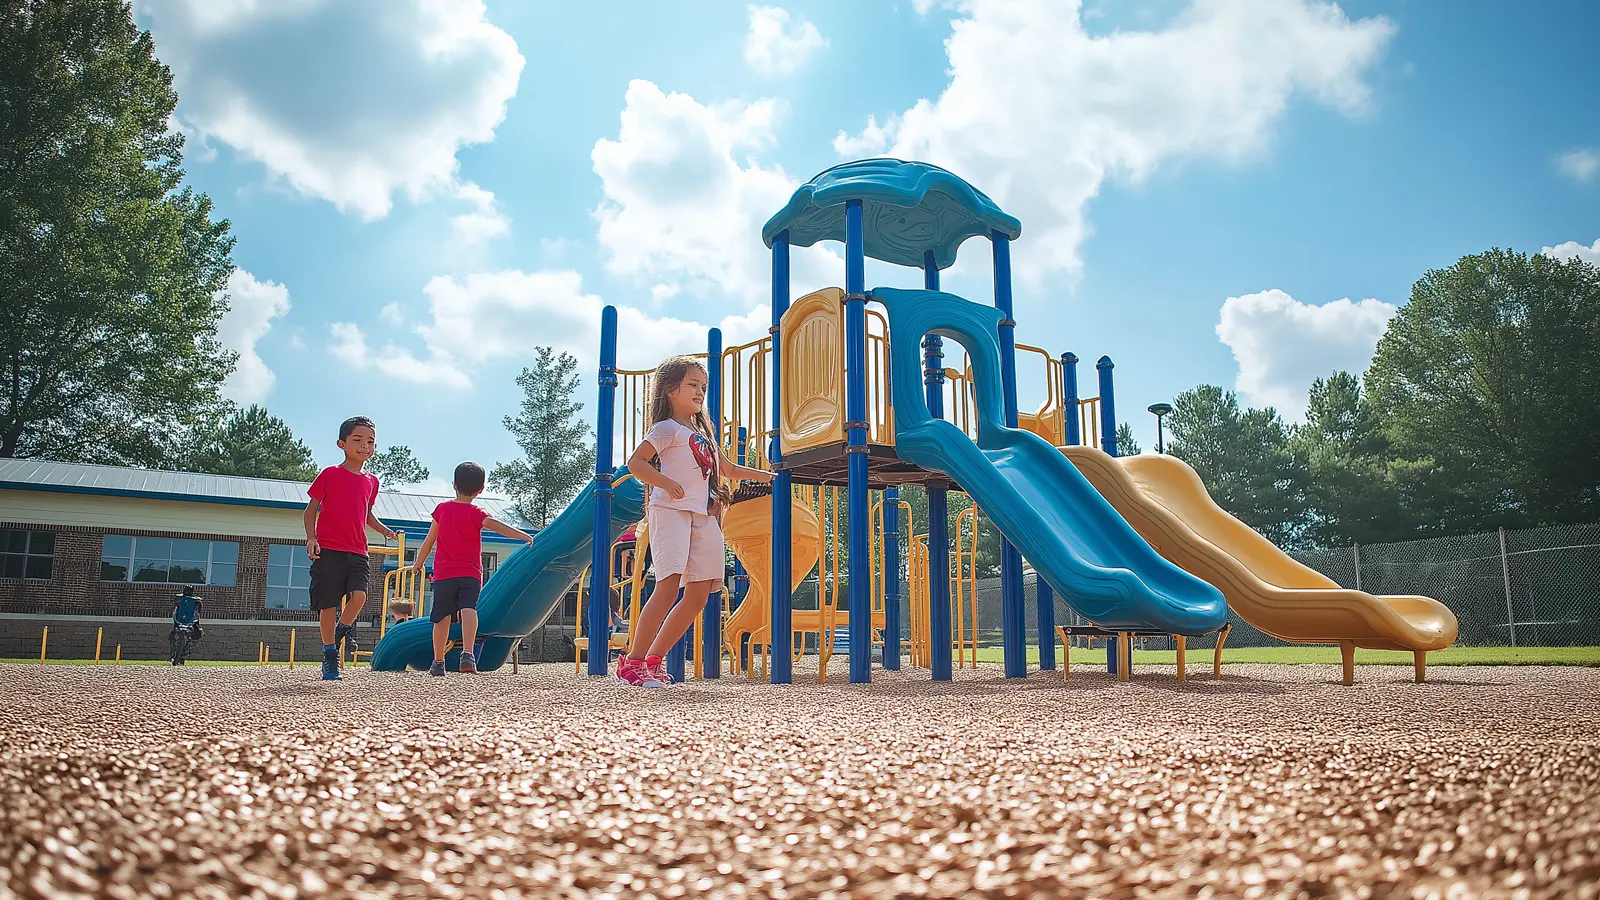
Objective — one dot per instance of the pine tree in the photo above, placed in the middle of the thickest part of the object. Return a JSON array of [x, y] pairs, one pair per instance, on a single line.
[[397, 466], [556, 453], [253, 443]]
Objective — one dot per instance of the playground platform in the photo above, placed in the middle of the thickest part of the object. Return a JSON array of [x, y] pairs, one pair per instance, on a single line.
[[1269, 782]]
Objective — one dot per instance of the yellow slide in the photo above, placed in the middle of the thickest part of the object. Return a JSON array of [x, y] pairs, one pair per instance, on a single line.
[[1164, 500], [747, 530]]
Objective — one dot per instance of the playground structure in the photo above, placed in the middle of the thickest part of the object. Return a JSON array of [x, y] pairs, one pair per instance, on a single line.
[[847, 400]]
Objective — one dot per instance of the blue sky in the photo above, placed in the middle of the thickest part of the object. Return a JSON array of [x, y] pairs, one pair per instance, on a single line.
[[1215, 191]]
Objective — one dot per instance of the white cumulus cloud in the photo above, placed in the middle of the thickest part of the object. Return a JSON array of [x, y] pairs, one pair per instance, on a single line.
[[1282, 345], [252, 307], [351, 101], [1038, 113], [684, 198], [349, 344], [1575, 250], [483, 317], [1579, 165], [780, 43], [484, 221]]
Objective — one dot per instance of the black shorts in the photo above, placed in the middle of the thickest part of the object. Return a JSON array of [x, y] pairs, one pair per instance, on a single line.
[[334, 574], [452, 595]]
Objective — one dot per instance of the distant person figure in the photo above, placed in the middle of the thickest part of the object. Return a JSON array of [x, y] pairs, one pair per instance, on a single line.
[[457, 529], [402, 611], [336, 520], [186, 616]]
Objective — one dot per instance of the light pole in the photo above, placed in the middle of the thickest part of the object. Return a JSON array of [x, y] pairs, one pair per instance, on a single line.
[[1160, 410]]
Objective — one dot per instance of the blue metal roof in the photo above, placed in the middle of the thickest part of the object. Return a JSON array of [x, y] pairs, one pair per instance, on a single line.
[[907, 208], [116, 481]]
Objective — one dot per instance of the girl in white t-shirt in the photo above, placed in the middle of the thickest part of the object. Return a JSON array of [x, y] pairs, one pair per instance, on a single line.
[[686, 497]]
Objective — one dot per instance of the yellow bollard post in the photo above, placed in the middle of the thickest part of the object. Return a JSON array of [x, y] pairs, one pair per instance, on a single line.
[[266, 655], [291, 649], [98, 633], [261, 649], [44, 640], [119, 654]]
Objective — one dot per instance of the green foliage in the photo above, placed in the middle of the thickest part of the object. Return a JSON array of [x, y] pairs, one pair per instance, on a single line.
[[253, 443], [1484, 379], [1126, 445], [111, 271], [1355, 489], [1245, 459], [557, 456], [397, 466], [988, 556]]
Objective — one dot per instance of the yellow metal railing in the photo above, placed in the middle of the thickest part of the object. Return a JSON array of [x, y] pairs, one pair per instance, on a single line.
[[398, 584], [1089, 422], [633, 407]]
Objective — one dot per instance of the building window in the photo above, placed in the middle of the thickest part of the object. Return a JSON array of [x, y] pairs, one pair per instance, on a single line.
[[27, 554], [288, 577], [153, 560], [490, 561]]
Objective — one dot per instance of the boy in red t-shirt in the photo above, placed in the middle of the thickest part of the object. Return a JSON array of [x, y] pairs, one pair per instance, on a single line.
[[458, 568], [337, 519]]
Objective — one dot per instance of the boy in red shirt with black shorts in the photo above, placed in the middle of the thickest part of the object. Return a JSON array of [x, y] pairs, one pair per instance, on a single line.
[[337, 519], [457, 530]]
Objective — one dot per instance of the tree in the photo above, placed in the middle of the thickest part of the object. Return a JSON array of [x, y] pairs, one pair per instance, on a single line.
[[397, 466], [1244, 458], [111, 271], [556, 454], [1356, 491], [988, 556], [1484, 379], [253, 443], [1126, 445]]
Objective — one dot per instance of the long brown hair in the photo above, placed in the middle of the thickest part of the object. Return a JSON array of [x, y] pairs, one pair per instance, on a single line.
[[669, 375]]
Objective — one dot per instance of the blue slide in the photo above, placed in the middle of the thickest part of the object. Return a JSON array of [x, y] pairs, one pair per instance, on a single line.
[[1075, 540], [524, 590]]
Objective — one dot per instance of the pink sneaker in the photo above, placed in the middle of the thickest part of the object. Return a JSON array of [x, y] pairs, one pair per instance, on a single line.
[[631, 671], [654, 673]]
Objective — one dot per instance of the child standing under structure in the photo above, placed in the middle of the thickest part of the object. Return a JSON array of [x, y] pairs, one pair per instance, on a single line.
[[685, 503]]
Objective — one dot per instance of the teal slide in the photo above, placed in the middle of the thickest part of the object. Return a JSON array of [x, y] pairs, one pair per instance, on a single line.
[[1075, 540], [524, 590]]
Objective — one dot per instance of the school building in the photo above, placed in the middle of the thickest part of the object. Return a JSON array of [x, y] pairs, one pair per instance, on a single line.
[[86, 547]]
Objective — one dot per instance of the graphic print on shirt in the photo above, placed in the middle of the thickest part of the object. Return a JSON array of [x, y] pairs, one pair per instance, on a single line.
[[701, 447]]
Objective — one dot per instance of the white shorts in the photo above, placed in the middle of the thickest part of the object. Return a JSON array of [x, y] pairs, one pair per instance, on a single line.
[[687, 544]]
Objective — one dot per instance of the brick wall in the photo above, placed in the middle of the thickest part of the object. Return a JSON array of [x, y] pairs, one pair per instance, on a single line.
[[75, 587]]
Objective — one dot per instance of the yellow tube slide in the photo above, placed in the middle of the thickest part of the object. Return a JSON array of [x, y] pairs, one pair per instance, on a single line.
[[1164, 500], [747, 530]]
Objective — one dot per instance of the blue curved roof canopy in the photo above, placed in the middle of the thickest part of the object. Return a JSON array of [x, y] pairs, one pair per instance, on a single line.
[[907, 208]]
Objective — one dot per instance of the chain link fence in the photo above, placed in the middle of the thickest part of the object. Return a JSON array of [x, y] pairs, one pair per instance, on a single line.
[[1538, 587]]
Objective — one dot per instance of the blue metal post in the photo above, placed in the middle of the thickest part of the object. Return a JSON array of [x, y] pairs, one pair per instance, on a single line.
[[711, 619], [1045, 596], [1069, 383], [1108, 443], [600, 549], [782, 619], [855, 356], [891, 579], [1108, 407], [1013, 602], [678, 651], [939, 651]]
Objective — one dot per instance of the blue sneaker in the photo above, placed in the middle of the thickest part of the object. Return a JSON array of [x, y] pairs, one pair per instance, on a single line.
[[437, 669], [468, 664], [340, 632], [330, 668]]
